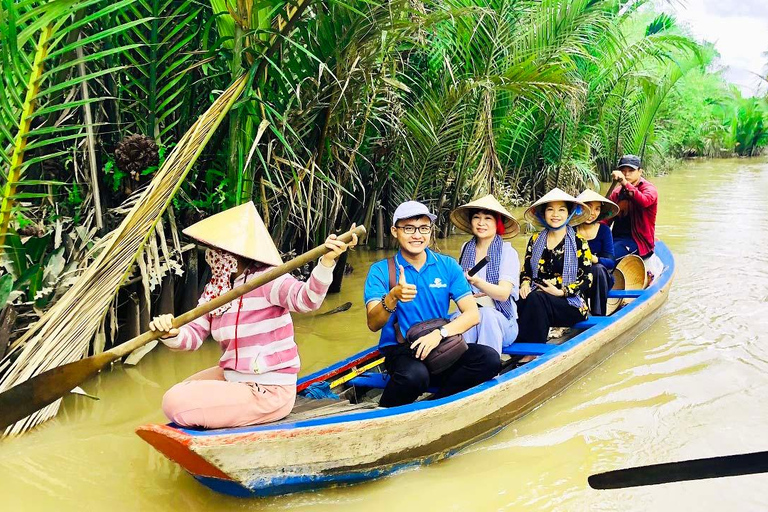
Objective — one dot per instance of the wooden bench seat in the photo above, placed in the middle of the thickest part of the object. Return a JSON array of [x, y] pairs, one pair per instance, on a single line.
[[624, 294], [593, 321], [528, 349]]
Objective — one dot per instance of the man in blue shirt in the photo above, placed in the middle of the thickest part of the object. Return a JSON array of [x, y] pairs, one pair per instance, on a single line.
[[426, 283]]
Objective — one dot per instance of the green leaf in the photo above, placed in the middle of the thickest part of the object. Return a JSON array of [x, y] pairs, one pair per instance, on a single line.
[[6, 286]]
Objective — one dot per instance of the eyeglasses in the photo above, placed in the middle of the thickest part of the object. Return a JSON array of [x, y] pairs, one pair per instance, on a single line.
[[409, 230]]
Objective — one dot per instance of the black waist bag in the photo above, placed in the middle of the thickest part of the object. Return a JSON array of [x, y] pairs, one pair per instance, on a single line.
[[442, 356]]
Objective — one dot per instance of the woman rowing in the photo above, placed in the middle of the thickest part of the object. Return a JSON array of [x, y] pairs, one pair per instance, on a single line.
[[255, 380], [556, 273], [496, 285], [600, 240]]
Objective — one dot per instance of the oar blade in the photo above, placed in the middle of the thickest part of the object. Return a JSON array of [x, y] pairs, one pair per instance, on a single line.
[[32, 395], [696, 469]]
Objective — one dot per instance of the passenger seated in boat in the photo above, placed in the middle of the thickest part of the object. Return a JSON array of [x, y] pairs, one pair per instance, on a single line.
[[255, 380], [426, 282], [556, 272], [496, 285], [601, 246]]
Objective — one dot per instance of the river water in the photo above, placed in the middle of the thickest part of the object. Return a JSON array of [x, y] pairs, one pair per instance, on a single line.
[[694, 384]]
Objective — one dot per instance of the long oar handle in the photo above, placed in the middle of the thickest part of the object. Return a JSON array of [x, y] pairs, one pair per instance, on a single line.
[[696, 469], [610, 189], [262, 279]]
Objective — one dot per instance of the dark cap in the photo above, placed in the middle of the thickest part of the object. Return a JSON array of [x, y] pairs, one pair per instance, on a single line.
[[629, 161]]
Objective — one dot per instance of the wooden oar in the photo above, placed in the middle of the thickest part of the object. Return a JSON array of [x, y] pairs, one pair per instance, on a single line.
[[31, 395], [610, 189], [696, 469]]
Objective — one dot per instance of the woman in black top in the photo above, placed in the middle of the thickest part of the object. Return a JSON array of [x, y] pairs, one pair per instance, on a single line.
[[556, 273], [600, 240]]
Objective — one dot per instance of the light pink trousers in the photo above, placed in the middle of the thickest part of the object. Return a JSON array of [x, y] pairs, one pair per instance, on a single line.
[[207, 400]]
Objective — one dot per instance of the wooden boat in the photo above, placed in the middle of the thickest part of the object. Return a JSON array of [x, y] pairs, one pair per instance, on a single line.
[[331, 442]]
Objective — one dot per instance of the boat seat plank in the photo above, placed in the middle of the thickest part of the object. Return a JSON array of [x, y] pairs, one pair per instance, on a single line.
[[528, 349], [599, 321], [376, 380], [624, 294]]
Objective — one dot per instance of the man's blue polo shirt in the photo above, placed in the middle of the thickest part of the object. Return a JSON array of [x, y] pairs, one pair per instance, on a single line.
[[439, 280]]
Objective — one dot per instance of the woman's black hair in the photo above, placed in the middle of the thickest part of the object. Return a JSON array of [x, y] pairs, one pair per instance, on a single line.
[[475, 211]]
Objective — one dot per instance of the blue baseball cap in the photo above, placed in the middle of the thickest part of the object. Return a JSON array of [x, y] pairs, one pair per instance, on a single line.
[[411, 209]]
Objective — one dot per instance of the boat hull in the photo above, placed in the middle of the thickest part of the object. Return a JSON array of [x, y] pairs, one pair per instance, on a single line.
[[291, 457]]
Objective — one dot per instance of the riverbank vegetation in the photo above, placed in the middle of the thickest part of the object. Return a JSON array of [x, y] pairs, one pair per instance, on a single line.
[[350, 107]]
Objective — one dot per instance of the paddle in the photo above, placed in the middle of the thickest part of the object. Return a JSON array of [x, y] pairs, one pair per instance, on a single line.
[[695, 469], [31, 395], [610, 189]]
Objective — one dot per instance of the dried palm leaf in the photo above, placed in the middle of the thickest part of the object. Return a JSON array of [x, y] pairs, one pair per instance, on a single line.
[[64, 333]]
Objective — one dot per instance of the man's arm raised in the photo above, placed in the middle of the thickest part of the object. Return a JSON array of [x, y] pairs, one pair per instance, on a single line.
[[377, 314]]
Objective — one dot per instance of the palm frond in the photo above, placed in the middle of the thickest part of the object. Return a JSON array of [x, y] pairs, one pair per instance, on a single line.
[[64, 333]]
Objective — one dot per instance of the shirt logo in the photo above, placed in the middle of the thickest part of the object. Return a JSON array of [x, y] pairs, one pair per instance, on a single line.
[[438, 283]]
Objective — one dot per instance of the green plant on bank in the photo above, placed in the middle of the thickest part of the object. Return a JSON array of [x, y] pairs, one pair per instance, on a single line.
[[49, 80], [750, 126], [368, 103], [33, 269]]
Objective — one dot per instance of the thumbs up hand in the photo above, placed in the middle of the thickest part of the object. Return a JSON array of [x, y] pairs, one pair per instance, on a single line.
[[403, 291]]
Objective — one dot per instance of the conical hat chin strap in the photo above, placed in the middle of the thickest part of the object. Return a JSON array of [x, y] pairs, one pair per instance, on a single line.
[[576, 209]]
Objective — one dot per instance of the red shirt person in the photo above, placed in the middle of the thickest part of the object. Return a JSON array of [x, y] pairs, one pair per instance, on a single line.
[[634, 228]]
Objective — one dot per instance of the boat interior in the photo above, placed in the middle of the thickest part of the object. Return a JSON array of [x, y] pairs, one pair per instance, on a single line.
[[360, 386]]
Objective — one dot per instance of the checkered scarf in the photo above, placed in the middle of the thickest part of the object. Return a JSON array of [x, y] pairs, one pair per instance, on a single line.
[[570, 261], [491, 270]]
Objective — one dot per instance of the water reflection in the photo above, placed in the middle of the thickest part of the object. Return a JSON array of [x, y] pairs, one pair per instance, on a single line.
[[694, 384]]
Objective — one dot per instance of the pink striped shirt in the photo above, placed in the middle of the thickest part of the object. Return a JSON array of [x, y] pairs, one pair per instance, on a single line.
[[256, 332]]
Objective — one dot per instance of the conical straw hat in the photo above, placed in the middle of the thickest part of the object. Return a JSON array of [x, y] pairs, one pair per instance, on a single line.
[[607, 210], [633, 269], [618, 284], [239, 231], [558, 195], [462, 216]]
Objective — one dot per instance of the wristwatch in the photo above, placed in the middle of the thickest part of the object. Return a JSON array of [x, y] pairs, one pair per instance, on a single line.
[[444, 332]]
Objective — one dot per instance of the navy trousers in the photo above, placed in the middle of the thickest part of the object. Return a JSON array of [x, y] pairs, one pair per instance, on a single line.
[[624, 246], [540, 311], [409, 377], [602, 282]]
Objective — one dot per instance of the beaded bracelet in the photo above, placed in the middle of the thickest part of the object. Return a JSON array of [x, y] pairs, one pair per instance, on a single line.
[[384, 304]]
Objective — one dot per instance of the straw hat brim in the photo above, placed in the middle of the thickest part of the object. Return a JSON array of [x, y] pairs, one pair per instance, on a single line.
[[239, 231], [632, 268], [618, 284], [461, 217], [558, 195], [608, 209]]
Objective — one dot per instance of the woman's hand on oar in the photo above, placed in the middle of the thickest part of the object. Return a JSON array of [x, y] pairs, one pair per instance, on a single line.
[[164, 323], [336, 247]]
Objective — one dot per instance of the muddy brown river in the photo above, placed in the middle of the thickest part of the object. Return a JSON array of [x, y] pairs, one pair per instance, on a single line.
[[694, 384]]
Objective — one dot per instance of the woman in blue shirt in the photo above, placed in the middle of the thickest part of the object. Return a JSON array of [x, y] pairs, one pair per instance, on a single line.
[[600, 240]]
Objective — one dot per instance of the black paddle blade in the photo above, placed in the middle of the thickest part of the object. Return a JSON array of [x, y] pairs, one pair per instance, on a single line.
[[696, 469], [32, 395]]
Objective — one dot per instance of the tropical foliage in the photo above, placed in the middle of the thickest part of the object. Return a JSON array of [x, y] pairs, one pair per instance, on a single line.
[[347, 109]]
